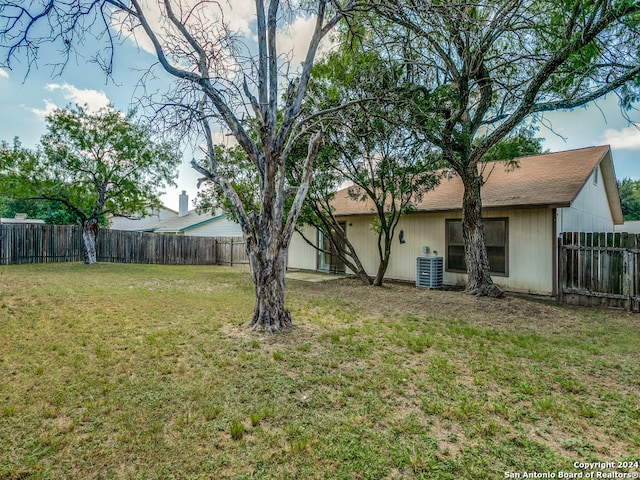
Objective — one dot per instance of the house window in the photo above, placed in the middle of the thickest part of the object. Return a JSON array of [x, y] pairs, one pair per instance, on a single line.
[[595, 176], [496, 231]]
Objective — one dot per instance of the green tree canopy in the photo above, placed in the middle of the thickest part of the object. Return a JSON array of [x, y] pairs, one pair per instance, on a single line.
[[520, 143], [91, 164], [630, 198], [371, 144], [51, 212]]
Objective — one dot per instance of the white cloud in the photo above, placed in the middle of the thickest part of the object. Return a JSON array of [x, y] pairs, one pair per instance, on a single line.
[[296, 37], [221, 138], [93, 99], [48, 109], [4, 73], [627, 138], [238, 15]]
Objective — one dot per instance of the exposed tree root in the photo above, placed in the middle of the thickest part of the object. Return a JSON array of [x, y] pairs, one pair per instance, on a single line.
[[486, 290], [271, 324]]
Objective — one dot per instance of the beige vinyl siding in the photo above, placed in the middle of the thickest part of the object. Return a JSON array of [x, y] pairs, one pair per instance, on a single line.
[[590, 211], [419, 230], [303, 256], [530, 252]]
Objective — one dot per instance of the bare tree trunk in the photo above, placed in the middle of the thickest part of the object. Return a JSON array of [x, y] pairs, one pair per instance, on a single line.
[[268, 271], [479, 280], [89, 235]]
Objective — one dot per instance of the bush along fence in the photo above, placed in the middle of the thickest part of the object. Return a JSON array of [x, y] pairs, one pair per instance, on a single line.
[[63, 243], [599, 269]]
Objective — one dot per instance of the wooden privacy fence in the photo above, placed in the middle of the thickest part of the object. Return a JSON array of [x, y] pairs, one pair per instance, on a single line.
[[230, 251], [600, 269], [63, 243], [40, 243]]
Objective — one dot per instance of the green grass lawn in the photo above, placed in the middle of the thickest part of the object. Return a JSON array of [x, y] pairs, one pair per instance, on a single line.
[[144, 371]]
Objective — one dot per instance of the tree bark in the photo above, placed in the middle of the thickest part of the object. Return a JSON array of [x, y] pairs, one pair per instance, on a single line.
[[382, 270], [364, 277], [385, 237], [89, 235], [350, 258], [268, 271], [479, 280], [384, 261]]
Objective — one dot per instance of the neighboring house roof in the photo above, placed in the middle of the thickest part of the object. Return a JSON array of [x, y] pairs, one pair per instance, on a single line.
[[20, 218], [151, 217], [550, 180], [184, 223]]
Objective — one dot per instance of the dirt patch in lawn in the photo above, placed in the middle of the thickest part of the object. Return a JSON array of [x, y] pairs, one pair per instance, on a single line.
[[513, 313]]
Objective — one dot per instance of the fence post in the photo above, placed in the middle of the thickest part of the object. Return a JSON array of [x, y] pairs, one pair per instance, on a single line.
[[562, 267], [3, 248], [635, 283], [627, 268]]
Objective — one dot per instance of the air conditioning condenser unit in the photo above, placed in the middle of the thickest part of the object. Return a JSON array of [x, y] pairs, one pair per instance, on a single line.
[[429, 271]]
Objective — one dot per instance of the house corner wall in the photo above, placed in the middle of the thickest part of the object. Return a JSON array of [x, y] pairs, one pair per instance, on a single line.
[[590, 210]]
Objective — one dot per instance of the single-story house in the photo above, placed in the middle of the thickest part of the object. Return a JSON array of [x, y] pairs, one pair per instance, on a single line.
[[525, 209], [189, 222], [20, 218]]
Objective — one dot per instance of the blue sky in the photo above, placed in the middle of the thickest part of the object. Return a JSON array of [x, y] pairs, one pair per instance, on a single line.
[[25, 100], [600, 123]]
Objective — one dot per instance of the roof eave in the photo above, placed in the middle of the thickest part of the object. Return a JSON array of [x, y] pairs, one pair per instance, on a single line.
[[522, 206], [611, 188], [199, 224]]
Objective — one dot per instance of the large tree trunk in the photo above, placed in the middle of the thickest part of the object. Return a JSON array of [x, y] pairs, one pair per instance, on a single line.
[[89, 235], [479, 280], [268, 270]]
